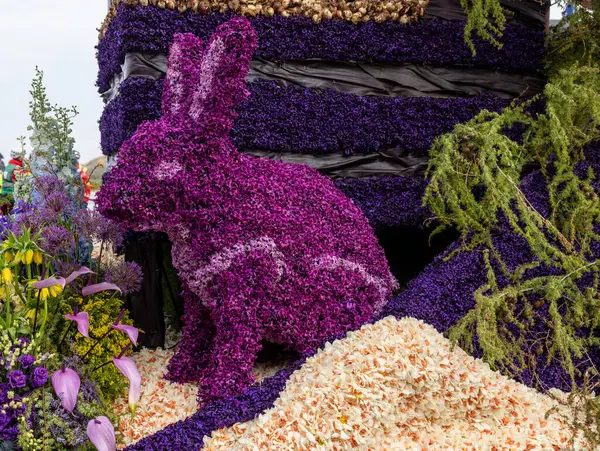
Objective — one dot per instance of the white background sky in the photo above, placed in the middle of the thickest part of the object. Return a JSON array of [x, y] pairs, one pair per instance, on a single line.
[[59, 36]]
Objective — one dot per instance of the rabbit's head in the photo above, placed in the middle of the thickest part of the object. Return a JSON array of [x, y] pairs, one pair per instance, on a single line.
[[149, 185]]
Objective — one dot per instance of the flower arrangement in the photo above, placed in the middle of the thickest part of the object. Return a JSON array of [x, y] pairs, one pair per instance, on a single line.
[[265, 273], [438, 43], [52, 150], [102, 309], [403, 11], [51, 305], [294, 119]]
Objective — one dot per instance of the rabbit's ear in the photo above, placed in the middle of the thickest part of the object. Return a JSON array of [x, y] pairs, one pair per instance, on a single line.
[[183, 73], [220, 86]]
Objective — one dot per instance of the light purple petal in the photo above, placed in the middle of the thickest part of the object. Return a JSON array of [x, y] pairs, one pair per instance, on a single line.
[[128, 368], [50, 282], [66, 384], [97, 288], [83, 323], [80, 272], [101, 433], [132, 332]]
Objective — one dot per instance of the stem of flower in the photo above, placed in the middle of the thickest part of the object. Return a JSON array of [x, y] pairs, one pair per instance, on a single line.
[[99, 261], [66, 333], [37, 307], [7, 306], [101, 366], [125, 349], [97, 343]]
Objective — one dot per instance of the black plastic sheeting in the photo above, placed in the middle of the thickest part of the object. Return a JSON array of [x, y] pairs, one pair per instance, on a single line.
[[408, 80], [363, 79], [529, 13], [391, 162]]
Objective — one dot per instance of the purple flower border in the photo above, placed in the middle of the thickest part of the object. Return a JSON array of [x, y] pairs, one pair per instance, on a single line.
[[439, 43], [293, 119]]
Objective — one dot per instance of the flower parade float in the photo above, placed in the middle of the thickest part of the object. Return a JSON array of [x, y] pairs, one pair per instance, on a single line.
[[268, 251]]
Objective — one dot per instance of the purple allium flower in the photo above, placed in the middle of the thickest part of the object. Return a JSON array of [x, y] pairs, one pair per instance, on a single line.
[[87, 222], [109, 232], [57, 204], [49, 184], [16, 379], [26, 360], [39, 377], [57, 240], [126, 275]]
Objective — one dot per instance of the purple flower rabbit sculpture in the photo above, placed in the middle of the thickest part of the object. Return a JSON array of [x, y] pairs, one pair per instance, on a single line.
[[265, 250]]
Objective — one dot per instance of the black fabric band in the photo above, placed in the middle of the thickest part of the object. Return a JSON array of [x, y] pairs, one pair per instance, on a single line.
[[390, 162], [409, 80], [528, 13]]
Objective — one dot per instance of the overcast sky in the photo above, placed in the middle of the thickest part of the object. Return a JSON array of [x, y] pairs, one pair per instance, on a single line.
[[59, 36]]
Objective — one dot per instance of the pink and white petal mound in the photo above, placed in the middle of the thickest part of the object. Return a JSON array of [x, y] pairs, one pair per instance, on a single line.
[[397, 385]]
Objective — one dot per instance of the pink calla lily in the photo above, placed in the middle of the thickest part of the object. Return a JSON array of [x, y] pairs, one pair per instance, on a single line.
[[50, 282], [66, 384], [83, 322], [99, 287], [101, 433], [80, 272], [128, 368], [132, 332]]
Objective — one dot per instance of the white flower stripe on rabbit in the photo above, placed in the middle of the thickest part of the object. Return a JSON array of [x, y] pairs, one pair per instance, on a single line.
[[210, 64], [331, 262], [222, 260]]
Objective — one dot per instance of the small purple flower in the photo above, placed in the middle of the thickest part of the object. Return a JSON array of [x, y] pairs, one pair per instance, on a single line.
[[39, 377], [57, 240], [87, 222], [26, 360], [126, 275], [17, 379], [58, 203], [109, 232], [24, 340], [49, 184]]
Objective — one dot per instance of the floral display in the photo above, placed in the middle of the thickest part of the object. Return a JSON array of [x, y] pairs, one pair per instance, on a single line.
[[295, 119], [439, 43], [52, 154], [402, 11], [398, 385], [298, 278]]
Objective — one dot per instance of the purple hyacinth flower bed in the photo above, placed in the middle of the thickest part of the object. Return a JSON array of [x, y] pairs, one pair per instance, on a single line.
[[292, 119]]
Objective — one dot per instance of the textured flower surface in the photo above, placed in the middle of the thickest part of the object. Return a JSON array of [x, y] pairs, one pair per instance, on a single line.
[[399, 385], [283, 118], [439, 43], [294, 262]]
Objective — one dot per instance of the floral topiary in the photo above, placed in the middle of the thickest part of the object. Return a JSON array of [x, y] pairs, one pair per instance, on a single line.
[[102, 308], [265, 249]]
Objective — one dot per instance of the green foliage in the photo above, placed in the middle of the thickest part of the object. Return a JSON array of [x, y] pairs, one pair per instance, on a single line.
[[486, 18], [103, 310], [474, 183], [575, 40]]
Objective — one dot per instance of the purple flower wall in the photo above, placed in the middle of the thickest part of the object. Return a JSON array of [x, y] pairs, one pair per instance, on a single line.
[[294, 119], [151, 30]]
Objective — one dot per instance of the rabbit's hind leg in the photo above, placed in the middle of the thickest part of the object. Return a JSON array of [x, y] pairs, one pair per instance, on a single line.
[[238, 295]]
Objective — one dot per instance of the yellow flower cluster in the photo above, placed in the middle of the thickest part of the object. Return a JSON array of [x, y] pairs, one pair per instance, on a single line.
[[103, 310], [403, 11], [27, 257]]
